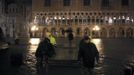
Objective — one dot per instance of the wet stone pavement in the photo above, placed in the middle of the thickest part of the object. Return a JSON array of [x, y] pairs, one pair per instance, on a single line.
[[115, 53]]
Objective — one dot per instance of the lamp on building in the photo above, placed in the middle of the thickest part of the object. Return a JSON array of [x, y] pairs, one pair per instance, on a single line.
[[34, 29], [95, 31], [96, 28]]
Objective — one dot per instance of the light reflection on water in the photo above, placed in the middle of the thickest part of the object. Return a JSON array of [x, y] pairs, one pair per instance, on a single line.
[[34, 41], [33, 48], [34, 44], [99, 45], [31, 60]]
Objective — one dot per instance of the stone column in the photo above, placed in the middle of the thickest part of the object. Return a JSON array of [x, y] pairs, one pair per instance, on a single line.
[[78, 20], [86, 21], [116, 35], [82, 20], [125, 33], [66, 20], [107, 33]]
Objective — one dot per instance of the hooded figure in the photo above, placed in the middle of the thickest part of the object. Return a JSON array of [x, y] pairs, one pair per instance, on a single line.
[[87, 53], [45, 50]]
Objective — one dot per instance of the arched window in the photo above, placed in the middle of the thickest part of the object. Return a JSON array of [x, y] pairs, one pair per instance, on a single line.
[[129, 33], [78, 31], [103, 33]]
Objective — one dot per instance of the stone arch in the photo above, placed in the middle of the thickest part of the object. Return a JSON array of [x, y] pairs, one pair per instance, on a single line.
[[129, 33], [121, 33], [78, 31], [103, 33], [93, 19], [80, 20], [53, 31], [112, 33], [88, 19], [76, 20], [97, 19], [43, 19], [62, 32], [95, 34]]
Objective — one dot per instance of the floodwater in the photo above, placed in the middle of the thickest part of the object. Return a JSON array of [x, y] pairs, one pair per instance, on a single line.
[[114, 53]]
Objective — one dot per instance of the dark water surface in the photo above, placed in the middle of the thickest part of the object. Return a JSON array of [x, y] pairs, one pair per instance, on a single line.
[[115, 53]]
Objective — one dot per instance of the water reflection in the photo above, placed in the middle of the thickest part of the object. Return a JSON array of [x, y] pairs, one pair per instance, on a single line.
[[34, 44], [62, 53], [99, 45], [34, 41], [30, 56]]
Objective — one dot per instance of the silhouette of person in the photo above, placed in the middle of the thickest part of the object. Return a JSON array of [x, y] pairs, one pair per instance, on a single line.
[[44, 51], [70, 38], [87, 53]]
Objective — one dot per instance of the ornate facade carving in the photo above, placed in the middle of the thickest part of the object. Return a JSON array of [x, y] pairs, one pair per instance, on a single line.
[[114, 19]]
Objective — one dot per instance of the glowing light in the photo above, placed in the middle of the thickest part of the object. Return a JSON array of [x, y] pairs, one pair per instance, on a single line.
[[55, 17], [33, 28], [127, 18], [63, 18], [98, 43], [110, 20], [59, 17], [123, 17], [34, 44], [96, 28], [114, 18], [47, 19], [119, 17], [33, 48], [67, 17], [37, 28], [132, 20], [35, 20], [34, 41]]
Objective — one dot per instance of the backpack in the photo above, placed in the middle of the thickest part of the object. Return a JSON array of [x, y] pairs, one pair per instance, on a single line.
[[45, 48], [50, 50]]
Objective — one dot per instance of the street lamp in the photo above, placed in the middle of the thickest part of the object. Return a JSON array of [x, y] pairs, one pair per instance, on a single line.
[[34, 29], [96, 29]]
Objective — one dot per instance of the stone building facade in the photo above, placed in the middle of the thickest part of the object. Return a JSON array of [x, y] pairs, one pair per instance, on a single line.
[[96, 18], [2, 18], [17, 13]]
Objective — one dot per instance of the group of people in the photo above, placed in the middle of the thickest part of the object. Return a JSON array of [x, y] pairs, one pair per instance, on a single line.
[[87, 53]]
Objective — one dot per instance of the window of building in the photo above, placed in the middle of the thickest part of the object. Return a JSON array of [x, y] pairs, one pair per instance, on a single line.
[[105, 3], [86, 2], [47, 2], [124, 2], [57, 13], [66, 2], [88, 19]]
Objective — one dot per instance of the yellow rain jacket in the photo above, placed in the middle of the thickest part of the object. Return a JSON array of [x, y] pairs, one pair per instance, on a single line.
[[52, 40]]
